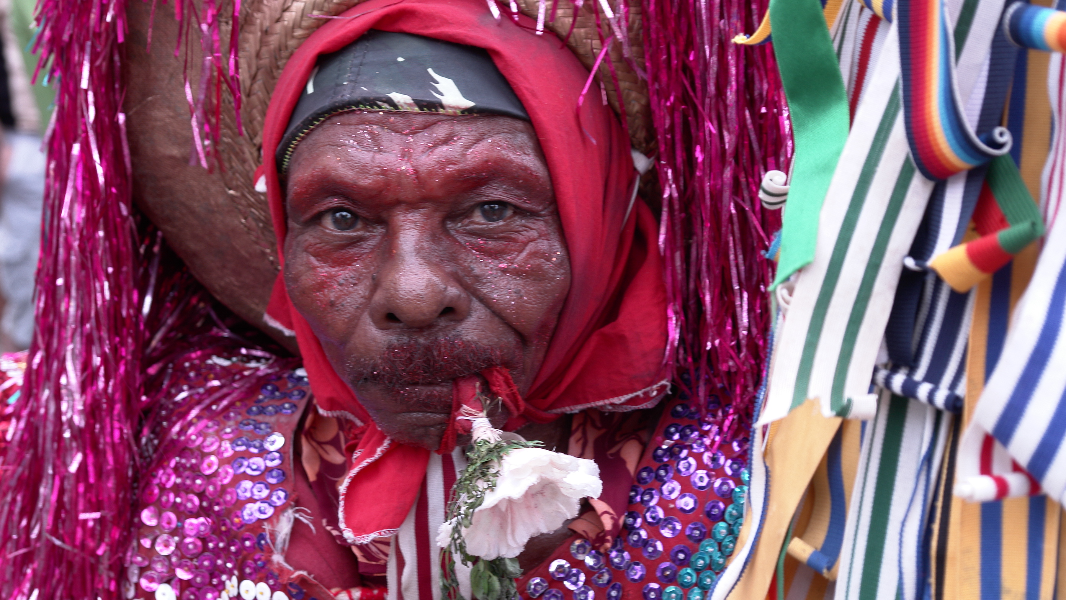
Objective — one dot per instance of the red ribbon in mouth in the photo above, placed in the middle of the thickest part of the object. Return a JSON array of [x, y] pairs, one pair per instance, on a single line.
[[465, 392]]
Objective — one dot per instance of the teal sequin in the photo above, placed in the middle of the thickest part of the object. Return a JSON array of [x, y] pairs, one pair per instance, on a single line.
[[700, 560], [740, 494], [728, 545], [686, 578], [708, 545], [720, 531], [706, 580], [695, 594], [733, 513], [673, 593]]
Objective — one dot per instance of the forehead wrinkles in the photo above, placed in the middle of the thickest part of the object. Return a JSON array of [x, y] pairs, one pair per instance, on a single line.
[[427, 147]]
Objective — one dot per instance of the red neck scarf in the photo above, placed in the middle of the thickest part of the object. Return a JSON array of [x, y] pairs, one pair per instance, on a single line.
[[609, 345]]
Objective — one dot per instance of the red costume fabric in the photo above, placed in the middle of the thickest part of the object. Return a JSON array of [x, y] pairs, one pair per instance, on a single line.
[[609, 346]]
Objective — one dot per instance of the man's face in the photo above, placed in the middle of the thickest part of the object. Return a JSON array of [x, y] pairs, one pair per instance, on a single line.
[[422, 248]]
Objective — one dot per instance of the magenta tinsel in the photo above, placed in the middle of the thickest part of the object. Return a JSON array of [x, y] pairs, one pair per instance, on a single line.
[[720, 117], [65, 498], [72, 457]]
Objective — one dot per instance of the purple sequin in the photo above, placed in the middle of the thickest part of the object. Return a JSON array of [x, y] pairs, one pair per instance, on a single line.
[[666, 572], [595, 560], [255, 467], [650, 497], [244, 490], [274, 441], [696, 532], [714, 510], [653, 591], [635, 572], [670, 527], [653, 549], [653, 515], [278, 497], [637, 538], [680, 555], [715, 460], [260, 490], [664, 473], [619, 559], [574, 579], [536, 587], [687, 503], [701, 480], [275, 476], [579, 549], [723, 486], [686, 466], [671, 489], [645, 475]]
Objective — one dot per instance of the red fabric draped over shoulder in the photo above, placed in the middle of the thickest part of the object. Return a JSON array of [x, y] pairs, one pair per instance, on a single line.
[[608, 348]]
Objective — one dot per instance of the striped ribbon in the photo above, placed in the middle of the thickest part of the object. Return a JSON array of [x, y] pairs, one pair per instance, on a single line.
[[999, 549], [942, 142], [1006, 218], [812, 561], [1024, 404], [413, 569], [900, 459], [1036, 27], [873, 209], [818, 107]]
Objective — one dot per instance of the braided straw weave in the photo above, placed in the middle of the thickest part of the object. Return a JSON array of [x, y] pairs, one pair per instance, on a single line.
[[271, 31]]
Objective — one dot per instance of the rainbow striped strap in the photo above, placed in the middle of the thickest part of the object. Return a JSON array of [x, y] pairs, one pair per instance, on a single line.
[[941, 141], [1006, 218], [1035, 27]]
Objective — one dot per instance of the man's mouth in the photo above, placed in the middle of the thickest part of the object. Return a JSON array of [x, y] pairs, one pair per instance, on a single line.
[[417, 363]]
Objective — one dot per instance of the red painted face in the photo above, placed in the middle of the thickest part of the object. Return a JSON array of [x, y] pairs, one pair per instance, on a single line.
[[421, 248]]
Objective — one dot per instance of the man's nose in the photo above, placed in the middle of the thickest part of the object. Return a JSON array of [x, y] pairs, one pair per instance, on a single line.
[[415, 285]]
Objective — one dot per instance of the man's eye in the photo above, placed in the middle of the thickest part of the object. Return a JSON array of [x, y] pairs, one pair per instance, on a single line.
[[340, 219], [493, 212]]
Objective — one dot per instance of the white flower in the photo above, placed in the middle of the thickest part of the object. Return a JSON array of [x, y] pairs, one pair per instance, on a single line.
[[536, 492]]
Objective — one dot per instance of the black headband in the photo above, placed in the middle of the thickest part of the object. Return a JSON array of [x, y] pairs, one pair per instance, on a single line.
[[386, 71]]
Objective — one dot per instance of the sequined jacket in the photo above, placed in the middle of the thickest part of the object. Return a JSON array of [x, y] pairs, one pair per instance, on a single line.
[[218, 498]]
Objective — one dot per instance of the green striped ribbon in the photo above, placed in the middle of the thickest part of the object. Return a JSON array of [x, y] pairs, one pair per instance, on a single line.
[[818, 105]]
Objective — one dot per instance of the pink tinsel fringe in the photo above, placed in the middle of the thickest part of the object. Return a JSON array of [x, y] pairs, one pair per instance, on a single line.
[[721, 123], [69, 471]]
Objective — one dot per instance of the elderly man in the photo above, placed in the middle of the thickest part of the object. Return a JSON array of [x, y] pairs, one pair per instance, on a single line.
[[451, 215]]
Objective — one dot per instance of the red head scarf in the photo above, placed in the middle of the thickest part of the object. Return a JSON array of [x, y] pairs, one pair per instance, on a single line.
[[608, 347]]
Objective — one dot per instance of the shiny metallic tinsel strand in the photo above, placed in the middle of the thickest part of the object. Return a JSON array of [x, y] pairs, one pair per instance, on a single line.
[[719, 116], [64, 502], [69, 468]]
